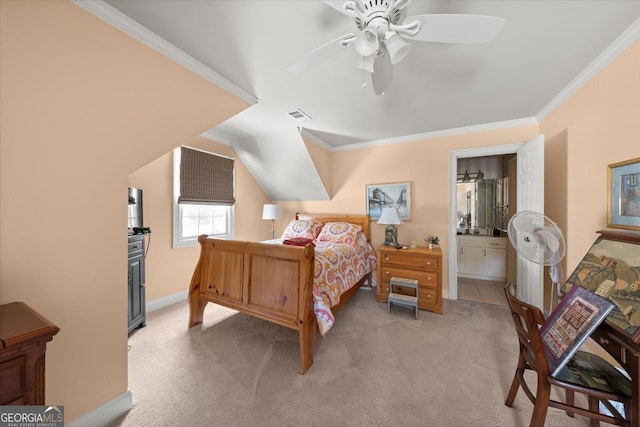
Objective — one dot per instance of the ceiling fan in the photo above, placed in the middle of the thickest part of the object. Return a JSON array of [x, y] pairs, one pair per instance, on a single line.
[[383, 34]]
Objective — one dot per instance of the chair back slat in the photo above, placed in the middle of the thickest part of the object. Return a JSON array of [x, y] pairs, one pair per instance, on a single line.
[[527, 319]]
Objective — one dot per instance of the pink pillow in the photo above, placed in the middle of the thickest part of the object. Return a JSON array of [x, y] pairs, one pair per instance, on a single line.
[[302, 228], [339, 232]]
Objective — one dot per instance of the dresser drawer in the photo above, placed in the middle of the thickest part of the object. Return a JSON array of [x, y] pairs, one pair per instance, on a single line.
[[12, 375], [410, 260], [421, 264], [135, 247], [389, 272], [424, 278], [428, 299]]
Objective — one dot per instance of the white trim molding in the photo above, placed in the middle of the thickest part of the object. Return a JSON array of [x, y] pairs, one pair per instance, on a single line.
[[159, 303], [104, 414], [626, 39], [119, 20], [441, 133]]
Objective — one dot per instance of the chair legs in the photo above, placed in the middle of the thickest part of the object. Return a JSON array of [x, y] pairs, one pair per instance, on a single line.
[[540, 400], [515, 385], [541, 404], [569, 397], [594, 406]]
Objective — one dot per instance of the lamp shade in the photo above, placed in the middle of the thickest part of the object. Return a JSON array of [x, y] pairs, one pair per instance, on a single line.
[[270, 211], [389, 216]]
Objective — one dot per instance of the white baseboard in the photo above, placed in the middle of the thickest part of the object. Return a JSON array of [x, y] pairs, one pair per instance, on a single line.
[[106, 413], [159, 303]]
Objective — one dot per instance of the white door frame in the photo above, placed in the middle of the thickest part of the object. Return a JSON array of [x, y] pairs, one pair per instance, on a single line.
[[493, 150]]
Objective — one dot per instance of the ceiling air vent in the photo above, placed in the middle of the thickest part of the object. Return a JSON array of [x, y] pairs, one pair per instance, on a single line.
[[299, 115]]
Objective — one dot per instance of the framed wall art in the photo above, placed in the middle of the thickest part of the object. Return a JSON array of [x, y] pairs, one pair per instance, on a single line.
[[389, 195], [623, 210]]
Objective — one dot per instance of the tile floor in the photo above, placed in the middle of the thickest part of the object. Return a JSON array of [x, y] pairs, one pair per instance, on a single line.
[[487, 291]]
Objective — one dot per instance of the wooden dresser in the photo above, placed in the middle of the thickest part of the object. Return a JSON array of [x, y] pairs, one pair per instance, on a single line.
[[422, 264], [23, 340]]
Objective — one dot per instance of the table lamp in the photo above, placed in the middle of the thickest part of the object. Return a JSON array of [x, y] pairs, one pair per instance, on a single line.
[[270, 211], [390, 218]]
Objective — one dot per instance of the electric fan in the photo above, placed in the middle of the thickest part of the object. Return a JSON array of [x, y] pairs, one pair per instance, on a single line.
[[539, 240]]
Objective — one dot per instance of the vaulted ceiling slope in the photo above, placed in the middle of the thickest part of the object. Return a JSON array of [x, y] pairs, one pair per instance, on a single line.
[[545, 50], [542, 47]]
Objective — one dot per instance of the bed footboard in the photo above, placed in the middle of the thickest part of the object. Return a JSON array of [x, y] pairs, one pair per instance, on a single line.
[[271, 282]]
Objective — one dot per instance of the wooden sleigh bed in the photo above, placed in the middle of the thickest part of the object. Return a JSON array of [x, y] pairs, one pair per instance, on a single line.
[[273, 282]]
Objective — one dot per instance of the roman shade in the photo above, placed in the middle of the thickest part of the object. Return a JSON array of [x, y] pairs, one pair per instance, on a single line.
[[205, 178]]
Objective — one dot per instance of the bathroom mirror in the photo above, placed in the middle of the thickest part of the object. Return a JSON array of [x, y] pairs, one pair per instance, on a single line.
[[481, 206]]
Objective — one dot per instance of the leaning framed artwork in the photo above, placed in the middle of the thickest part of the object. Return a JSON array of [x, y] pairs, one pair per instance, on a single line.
[[623, 210], [389, 195]]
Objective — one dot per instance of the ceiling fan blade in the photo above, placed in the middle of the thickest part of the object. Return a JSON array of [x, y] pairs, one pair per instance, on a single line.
[[382, 74], [456, 28], [321, 54], [338, 5]]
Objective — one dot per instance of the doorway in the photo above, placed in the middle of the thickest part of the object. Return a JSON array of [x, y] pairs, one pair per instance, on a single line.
[[530, 196], [482, 200], [473, 287]]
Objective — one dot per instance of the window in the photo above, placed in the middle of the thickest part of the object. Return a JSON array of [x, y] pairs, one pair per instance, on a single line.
[[192, 218]]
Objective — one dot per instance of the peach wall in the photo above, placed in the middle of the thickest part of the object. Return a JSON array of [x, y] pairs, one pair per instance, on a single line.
[[424, 163], [83, 105], [602, 126], [169, 270]]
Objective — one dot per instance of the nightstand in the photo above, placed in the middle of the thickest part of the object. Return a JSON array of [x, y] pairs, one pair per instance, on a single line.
[[422, 264]]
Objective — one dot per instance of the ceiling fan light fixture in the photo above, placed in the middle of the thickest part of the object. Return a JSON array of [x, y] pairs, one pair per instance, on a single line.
[[366, 63], [367, 43], [396, 46]]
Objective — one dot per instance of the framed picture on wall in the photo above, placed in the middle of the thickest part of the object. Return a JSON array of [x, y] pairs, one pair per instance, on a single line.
[[623, 210], [389, 195]]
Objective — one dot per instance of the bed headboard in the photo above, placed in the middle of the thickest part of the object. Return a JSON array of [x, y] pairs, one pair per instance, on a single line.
[[361, 220]]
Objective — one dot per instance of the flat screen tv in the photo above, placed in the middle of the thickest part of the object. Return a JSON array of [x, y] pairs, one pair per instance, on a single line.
[[135, 209]]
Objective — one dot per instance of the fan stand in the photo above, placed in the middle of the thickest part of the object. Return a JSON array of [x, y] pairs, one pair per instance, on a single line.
[[555, 271]]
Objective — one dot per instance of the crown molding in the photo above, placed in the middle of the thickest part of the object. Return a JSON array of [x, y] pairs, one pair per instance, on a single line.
[[119, 20], [626, 39], [314, 138], [441, 133]]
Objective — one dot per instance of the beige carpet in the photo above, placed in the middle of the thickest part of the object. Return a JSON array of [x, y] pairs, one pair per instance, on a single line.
[[372, 369]]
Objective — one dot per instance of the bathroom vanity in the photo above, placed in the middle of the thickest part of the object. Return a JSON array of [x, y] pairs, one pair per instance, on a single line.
[[482, 257]]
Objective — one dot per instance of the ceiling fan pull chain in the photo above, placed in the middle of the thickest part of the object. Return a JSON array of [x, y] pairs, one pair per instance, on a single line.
[[364, 79]]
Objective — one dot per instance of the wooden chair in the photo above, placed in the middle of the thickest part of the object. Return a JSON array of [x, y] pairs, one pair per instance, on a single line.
[[586, 373]]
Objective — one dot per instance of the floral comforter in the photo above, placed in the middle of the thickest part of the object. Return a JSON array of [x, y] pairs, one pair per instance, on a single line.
[[342, 257], [338, 266]]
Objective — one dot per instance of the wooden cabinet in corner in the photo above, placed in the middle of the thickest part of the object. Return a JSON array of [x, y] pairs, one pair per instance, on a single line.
[[136, 297], [25, 334]]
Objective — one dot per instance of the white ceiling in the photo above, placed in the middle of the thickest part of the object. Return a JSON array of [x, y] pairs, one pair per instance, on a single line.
[[542, 48]]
